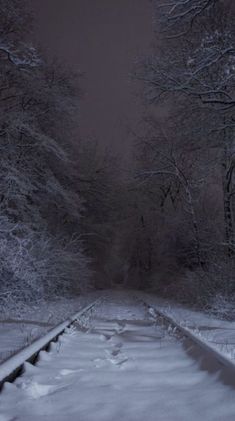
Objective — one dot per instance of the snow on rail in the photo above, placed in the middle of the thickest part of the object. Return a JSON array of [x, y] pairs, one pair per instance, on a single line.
[[13, 366], [203, 344]]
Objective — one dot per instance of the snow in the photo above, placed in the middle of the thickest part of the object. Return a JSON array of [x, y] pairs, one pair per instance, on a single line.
[[219, 334], [16, 361], [22, 325], [118, 364], [14, 336]]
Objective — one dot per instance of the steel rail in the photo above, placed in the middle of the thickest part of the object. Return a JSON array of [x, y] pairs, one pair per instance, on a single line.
[[221, 359], [13, 366]]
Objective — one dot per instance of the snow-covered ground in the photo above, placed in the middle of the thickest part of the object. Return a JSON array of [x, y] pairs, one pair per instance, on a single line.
[[117, 365], [220, 334], [20, 326]]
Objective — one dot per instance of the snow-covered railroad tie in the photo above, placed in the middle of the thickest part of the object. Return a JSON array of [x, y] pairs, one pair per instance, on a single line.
[[120, 363]]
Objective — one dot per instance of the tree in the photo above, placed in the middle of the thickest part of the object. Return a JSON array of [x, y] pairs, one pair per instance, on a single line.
[[200, 72], [178, 16], [189, 171], [101, 189], [41, 253]]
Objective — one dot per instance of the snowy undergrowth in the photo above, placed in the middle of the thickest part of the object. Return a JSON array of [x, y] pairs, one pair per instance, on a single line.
[[222, 307], [51, 311]]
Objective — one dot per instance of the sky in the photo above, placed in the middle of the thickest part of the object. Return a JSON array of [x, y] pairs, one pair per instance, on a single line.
[[101, 39]]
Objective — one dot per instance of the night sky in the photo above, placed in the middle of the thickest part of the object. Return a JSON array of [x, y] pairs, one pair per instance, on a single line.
[[101, 38]]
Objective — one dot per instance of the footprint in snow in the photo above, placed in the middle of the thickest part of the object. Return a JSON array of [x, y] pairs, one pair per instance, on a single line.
[[105, 337], [116, 357], [121, 327], [99, 363], [115, 352]]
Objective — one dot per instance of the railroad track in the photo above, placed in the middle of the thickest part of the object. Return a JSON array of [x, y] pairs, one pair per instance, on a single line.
[[13, 366], [131, 361]]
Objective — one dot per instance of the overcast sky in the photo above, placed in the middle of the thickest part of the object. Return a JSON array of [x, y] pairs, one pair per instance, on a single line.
[[102, 39]]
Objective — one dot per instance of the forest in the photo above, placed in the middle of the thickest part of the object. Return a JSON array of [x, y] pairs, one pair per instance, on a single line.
[[73, 218]]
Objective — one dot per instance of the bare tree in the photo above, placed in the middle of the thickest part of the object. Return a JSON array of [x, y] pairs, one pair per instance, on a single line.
[[179, 16], [200, 72]]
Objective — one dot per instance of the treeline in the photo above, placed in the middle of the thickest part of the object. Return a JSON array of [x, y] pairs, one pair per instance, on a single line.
[[175, 231], [184, 178], [60, 195], [70, 219]]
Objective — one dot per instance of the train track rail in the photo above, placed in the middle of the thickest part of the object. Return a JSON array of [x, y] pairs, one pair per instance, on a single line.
[[210, 358], [13, 366]]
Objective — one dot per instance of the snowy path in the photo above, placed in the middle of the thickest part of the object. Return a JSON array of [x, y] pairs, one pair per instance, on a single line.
[[118, 365]]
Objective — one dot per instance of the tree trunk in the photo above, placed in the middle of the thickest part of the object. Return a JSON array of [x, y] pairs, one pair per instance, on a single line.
[[227, 177], [195, 226], [197, 243]]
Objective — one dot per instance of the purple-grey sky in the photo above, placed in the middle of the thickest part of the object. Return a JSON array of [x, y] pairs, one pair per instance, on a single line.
[[101, 38]]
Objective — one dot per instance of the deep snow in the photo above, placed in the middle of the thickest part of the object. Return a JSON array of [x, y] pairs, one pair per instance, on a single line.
[[117, 365]]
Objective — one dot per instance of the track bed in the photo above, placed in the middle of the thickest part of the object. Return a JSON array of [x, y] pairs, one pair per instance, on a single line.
[[117, 364]]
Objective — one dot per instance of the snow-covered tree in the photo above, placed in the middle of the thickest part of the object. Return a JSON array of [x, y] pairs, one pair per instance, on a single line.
[[200, 72], [41, 251], [179, 16], [189, 77]]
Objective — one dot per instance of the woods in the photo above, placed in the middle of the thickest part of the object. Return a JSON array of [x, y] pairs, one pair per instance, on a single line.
[[187, 156], [41, 247], [117, 210], [74, 216], [58, 191]]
